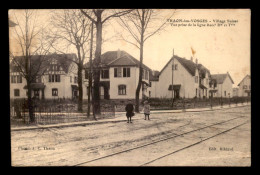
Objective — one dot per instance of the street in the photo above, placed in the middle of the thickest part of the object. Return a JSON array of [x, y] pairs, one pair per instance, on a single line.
[[208, 138]]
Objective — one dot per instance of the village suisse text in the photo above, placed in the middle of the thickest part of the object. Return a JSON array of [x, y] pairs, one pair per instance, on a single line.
[[202, 22]]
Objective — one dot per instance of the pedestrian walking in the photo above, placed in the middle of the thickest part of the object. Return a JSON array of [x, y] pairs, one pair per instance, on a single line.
[[129, 112], [146, 110]]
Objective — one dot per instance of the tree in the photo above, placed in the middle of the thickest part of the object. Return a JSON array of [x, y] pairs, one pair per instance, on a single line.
[[71, 29], [141, 24], [99, 17], [28, 50]]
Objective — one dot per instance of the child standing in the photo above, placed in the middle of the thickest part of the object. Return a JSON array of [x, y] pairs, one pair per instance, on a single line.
[[146, 110]]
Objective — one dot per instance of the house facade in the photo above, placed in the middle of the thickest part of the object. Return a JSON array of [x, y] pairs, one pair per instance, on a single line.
[[119, 76], [181, 77], [56, 78], [221, 85], [244, 87], [235, 92]]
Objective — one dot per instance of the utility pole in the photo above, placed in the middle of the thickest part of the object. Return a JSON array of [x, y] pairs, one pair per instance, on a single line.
[[172, 73]]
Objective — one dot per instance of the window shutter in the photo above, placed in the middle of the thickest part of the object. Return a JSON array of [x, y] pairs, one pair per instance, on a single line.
[[124, 72], [115, 72], [128, 72]]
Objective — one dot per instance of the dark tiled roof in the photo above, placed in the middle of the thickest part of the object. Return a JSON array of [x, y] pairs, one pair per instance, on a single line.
[[244, 78], [219, 78], [189, 65], [122, 61], [64, 60], [125, 59], [203, 70]]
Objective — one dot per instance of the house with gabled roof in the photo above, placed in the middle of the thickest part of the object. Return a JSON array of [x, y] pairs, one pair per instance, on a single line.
[[181, 77], [119, 76], [244, 87], [55, 77], [221, 85]]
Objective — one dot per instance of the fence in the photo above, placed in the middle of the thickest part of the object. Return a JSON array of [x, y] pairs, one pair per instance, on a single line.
[[49, 112]]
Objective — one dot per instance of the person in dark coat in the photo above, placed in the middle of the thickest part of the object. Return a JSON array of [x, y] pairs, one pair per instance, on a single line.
[[129, 112]]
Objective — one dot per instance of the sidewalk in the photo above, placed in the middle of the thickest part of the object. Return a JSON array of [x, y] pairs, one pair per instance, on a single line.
[[120, 117]]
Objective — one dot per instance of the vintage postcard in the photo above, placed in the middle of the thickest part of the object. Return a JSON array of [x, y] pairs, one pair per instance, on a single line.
[[130, 87]]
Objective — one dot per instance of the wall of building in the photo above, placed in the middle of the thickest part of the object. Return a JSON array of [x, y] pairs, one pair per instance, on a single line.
[[130, 82], [180, 76], [19, 86], [241, 90], [225, 86]]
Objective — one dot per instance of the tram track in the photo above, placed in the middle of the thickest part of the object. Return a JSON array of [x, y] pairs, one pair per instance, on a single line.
[[168, 137]]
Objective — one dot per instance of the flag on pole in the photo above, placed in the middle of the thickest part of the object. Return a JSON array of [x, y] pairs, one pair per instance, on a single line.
[[193, 51]]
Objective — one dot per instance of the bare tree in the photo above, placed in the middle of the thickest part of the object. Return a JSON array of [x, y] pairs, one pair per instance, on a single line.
[[141, 24], [28, 50], [71, 28], [99, 17]]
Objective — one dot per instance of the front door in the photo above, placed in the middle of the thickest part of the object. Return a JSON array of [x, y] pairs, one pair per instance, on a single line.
[[177, 93], [75, 93]]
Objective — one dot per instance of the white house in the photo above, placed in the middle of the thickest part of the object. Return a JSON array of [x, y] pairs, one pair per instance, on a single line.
[[56, 78], [119, 76], [221, 85], [244, 87], [235, 92], [180, 78]]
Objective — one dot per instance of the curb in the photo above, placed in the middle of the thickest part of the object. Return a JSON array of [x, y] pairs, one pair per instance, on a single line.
[[120, 120]]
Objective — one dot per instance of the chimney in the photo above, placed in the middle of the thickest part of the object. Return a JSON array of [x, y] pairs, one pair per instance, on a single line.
[[191, 58], [118, 53], [172, 52], [196, 61]]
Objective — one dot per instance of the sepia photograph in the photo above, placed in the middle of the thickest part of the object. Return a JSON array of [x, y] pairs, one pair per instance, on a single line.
[[130, 87]]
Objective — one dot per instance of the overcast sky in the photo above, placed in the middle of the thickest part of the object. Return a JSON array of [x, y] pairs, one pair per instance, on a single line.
[[221, 49]]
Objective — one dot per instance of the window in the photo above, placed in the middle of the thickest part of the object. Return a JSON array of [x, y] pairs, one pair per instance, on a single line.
[[57, 78], [75, 79], [225, 93], [122, 90], [13, 79], [146, 75], [196, 92], [176, 67], [118, 72], [16, 92], [71, 79], [196, 79], [105, 73], [245, 87], [54, 78], [54, 92], [36, 93], [19, 79], [126, 72], [207, 81]]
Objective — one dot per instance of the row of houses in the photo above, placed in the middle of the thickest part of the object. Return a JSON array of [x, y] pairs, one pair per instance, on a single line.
[[119, 76]]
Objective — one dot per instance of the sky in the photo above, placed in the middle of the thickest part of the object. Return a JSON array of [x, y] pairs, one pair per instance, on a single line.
[[220, 46]]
